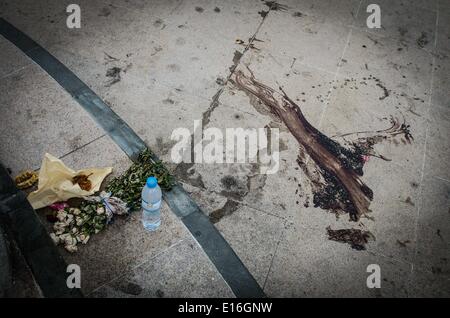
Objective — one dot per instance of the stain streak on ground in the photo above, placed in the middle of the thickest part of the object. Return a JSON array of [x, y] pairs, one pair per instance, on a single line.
[[422, 41], [339, 166], [385, 91], [337, 186], [114, 74], [229, 207], [275, 6]]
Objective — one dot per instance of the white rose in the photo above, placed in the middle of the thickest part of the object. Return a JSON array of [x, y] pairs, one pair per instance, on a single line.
[[79, 220], [71, 248], [68, 239], [61, 215], [59, 226], [54, 238], [100, 210], [75, 211]]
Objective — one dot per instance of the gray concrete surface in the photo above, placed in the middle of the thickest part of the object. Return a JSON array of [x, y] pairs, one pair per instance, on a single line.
[[173, 57]]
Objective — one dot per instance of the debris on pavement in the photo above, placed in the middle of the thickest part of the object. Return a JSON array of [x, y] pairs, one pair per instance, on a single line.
[[403, 243], [249, 44], [355, 237], [26, 179], [113, 74], [422, 41], [275, 6], [55, 182]]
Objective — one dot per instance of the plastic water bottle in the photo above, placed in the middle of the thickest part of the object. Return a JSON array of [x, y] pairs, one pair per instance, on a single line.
[[151, 204]]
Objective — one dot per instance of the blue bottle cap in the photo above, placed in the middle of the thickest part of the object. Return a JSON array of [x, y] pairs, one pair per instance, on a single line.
[[152, 182]]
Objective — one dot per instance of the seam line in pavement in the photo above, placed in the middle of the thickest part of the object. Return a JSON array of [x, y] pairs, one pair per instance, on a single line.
[[233, 271], [122, 275], [425, 148]]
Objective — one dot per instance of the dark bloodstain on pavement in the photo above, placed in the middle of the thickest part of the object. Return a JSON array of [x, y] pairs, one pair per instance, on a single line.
[[114, 74], [229, 207], [339, 166], [275, 6], [335, 181], [236, 58], [422, 41], [355, 237], [263, 13]]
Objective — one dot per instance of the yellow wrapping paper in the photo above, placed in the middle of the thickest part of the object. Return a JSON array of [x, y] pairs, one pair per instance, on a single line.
[[55, 182]]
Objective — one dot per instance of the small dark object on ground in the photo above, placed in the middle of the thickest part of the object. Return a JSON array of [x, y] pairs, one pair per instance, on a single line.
[[403, 243], [355, 237], [263, 13], [423, 40], [114, 74], [275, 6]]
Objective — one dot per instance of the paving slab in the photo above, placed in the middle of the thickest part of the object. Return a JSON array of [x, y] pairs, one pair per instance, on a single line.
[[183, 270], [441, 80], [425, 284], [38, 117], [123, 246], [167, 41], [443, 6], [405, 70], [253, 235], [307, 264], [393, 209], [403, 20], [316, 44], [443, 31], [15, 59], [324, 11], [433, 230], [192, 57], [438, 150]]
